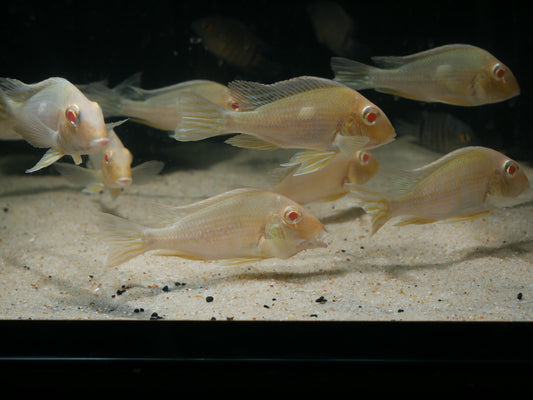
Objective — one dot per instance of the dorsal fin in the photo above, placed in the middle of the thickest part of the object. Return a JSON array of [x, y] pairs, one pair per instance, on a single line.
[[250, 95]]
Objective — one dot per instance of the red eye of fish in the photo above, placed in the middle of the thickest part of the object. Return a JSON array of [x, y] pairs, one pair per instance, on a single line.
[[235, 106], [370, 115], [510, 168], [72, 114], [498, 71], [292, 215], [364, 157], [107, 158]]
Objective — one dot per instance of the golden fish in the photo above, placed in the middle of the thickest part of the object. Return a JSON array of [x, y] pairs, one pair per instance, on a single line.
[[312, 113], [458, 74], [328, 183], [237, 226], [157, 107], [236, 44], [110, 169], [51, 114], [459, 186]]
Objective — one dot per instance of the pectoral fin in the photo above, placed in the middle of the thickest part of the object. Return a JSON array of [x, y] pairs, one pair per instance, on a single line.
[[51, 156], [348, 145], [95, 187], [77, 159], [250, 142], [415, 221], [309, 161]]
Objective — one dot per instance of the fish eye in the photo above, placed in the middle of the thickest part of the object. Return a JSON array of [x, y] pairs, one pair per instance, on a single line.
[[107, 157], [292, 215], [370, 115], [72, 114], [511, 168], [364, 157], [498, 71], [465, 137]]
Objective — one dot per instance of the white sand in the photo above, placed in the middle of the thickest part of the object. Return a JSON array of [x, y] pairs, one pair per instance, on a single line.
[[51, 257]]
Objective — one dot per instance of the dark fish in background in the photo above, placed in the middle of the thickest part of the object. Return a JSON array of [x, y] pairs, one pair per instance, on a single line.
[[437, 131], [235, 43], [333, 27], [458, 74]]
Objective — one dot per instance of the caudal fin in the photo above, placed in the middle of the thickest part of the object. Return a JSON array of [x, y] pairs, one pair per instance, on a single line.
[[375, 204], [124, 239], [200, 118], [352, 73]]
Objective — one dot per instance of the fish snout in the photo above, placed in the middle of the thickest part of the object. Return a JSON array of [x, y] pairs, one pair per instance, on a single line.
[[123, 182], [99, 143]]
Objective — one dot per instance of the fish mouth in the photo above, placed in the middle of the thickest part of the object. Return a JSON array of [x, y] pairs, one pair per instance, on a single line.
[[316, 242], [123, 182], [96, 143]]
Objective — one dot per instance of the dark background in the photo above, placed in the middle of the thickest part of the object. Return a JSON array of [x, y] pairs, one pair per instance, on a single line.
[[85, 41]]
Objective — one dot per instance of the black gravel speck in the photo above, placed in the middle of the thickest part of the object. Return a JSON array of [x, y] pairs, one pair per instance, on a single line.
[[120, 291], [519, 296], [209, 299], [321, 300], [400, 310], [6, 209], [165, 288], [155, 317]]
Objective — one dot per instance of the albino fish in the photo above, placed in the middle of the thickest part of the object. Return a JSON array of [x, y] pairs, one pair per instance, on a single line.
[[51, 114], [238, 226], [328, 183], [458, 74], [438, 131], [110, 169], [459, 186], [157, 108], [333, 27], [311, 113], [235, 43]]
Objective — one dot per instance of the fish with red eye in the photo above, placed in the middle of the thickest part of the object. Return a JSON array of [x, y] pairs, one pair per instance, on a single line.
[[328, 183], [462, 185], [238, 226], [457, 74], [47, 115], [320, 116]]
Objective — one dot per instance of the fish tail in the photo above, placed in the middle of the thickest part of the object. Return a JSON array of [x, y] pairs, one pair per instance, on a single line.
[[353, 73], [110, 100], [200, 119], [375, 204], [125, 239]]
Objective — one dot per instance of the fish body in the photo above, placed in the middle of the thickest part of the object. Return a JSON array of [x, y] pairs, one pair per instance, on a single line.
[[51, 114], [458, 186], [236, 226], [157, 108], [437, 131], [329, 182], [110, 169], [305, 113], [233, 42], [333, 27], [457, 74]]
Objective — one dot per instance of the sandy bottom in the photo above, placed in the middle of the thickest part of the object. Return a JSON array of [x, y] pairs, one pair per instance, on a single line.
[[51, 256]]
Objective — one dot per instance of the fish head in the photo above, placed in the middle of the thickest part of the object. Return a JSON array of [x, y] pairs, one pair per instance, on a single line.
[[367, 119], [290, 230], [495, 83], [361, 167], [82, 128], [509, 179], [116, 167]]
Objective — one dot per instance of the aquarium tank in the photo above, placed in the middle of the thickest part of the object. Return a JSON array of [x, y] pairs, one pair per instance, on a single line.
[[308, 162]]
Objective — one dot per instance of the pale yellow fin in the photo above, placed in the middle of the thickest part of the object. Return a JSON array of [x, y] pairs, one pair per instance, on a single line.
[[251, 142], [309, 161], [124, 239], [146, 172], [348, 145], [115, 192], [238, 261], [77, 159], [94, 187], [415, 221], [468, 217], [51, 156], [375, 204]]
